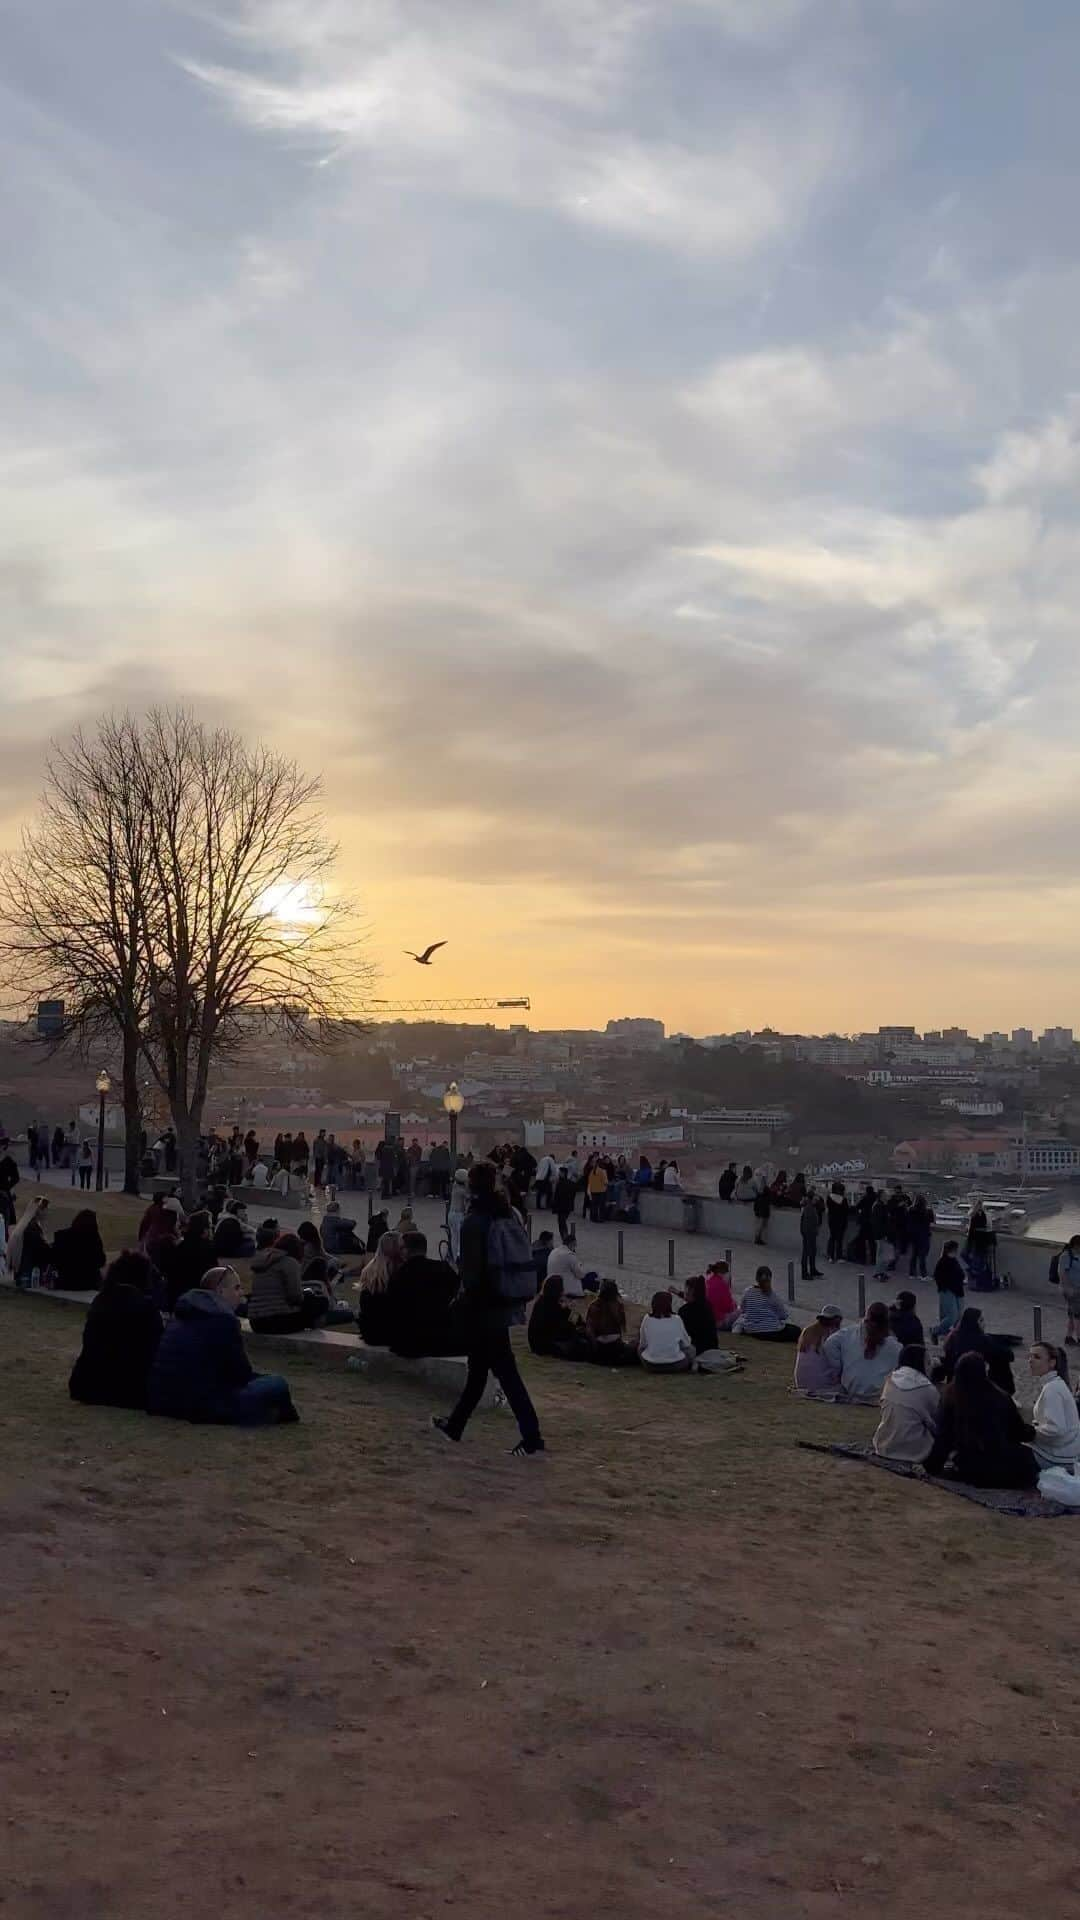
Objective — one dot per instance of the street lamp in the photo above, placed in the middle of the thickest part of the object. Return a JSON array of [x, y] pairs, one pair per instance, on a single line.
[[103, 1085], [453, 1100]]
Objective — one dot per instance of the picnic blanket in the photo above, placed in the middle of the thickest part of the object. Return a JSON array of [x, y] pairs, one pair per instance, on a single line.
[[1025, 1506]]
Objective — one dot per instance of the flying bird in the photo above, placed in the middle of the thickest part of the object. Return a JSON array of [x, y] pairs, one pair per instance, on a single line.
[[424, 959]]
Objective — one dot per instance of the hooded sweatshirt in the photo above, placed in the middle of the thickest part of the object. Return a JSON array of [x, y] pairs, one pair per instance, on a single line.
[[1057, 1425], [910, 1412]]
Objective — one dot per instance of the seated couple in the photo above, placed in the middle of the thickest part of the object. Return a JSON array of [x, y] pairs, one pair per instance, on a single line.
[[973, 1430], [685, 1342], [835, 1362], [193, 1369], [408, 1302], [557, 1333]]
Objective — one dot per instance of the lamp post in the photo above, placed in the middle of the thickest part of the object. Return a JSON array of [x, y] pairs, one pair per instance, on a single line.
[[453, 1100], [103, 1085]]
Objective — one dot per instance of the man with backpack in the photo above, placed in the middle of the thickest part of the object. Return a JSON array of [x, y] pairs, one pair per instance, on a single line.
[[498, 1278]]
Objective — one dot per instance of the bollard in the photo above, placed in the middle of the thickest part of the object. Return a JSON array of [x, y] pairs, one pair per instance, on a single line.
[[727, 1257], [370, 1204], [862, 1295], [671, 1259], [620, 1246], [791, 1279], [1036, 1318]]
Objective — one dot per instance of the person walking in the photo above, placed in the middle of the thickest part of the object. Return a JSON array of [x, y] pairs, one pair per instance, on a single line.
[[563, 1201], [809, 1228], [489, 1316]]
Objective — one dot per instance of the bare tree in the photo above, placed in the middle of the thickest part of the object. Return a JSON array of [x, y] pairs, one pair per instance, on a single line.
[[238, 932], [176, 895], [69, 909]]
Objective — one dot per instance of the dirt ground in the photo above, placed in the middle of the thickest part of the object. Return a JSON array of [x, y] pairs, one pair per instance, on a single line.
[[677, 1667]]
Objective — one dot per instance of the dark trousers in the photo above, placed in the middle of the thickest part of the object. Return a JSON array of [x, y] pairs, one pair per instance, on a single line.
[[543, 1195], [564, 1230], [84, 1178], [491, 1352], [809, 1257], [917, 1267], [836, 1243]]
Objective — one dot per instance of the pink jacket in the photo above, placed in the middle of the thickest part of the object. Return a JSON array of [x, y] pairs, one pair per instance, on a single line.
[[720, 1297]]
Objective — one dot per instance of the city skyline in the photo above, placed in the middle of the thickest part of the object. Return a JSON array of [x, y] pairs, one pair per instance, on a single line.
[[630, 450]]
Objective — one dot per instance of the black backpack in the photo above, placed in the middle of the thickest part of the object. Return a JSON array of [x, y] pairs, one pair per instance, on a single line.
[[1054, 1275]]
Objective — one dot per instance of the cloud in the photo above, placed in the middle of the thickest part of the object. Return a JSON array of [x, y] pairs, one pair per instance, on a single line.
[[525, 105], [638, 469]]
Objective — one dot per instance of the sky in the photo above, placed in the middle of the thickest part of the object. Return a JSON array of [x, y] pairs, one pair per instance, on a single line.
[[629, 448]]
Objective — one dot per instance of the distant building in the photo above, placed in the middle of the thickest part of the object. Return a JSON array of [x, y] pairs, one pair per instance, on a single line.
[[1023, 1040], [1055, 1158], [648, 1033], [747, 1119], [1057, 1041], [50, 1019]]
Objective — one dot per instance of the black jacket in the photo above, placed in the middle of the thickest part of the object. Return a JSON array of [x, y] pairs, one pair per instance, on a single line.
[[120, 1339], [480, 1302], [907, 1327], [700, 1322], [79, 1259], [988, 1452], [183, 1265], [418, 1298], [201, 1360]]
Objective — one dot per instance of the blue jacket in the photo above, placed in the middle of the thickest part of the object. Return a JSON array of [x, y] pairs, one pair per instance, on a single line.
[[200, 1360]]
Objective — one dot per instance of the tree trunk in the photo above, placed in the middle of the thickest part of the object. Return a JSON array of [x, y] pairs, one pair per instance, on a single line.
[[132, 1110], [187, 1154]]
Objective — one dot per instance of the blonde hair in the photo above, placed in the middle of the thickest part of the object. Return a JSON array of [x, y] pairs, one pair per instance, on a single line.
[[385, 1261]]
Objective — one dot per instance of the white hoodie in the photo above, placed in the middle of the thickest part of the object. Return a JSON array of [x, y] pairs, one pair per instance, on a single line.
[[910, 1410], [1057, 1425]]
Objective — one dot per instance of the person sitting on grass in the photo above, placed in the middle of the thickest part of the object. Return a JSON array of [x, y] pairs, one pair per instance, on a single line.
[[372, 1312], [28, 1249], [563, 1262], [555, 1332], [864, 1355], [1054, 1417], [970, 1336], [699, 1320], [233, 1238], [120, 1338], [904, 1322], [663, 1342], [185, 1261], [201, 1371], [288, 1296], [605, 1324], [720, 1296], [763, 1315], [339, 1232], [815, 1376], [910, 1411], [980, 1438], [419, 1298], [78, 1256]]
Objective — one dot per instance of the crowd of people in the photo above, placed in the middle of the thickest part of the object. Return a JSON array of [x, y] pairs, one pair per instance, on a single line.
[[163, 1332]]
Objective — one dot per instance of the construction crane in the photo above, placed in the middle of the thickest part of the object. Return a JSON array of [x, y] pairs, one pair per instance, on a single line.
[[378, 1007]]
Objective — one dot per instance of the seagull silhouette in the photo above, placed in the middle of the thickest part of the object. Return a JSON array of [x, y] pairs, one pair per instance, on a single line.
[[424, 959]]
